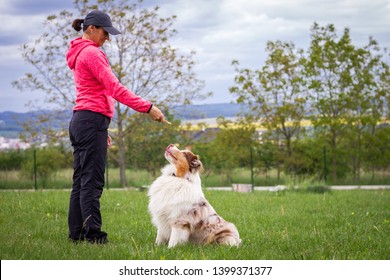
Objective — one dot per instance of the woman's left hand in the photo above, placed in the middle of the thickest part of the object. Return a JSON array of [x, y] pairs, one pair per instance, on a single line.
[[109, 141]]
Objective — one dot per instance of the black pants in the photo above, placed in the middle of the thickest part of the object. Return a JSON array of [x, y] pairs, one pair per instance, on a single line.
[[88, 134]]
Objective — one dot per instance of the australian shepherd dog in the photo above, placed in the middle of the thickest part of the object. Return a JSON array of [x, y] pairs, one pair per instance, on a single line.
[[179, 209]]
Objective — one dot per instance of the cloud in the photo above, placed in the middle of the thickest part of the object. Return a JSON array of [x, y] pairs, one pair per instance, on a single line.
[[23, 22], [24, 18], [33, 7], [19, 30], [219, 30]]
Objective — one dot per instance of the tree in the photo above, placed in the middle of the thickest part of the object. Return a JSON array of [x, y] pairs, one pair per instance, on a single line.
[[346, 89], [377, 150], [274, 93], [141, 57], [265, 157], [370, 86]]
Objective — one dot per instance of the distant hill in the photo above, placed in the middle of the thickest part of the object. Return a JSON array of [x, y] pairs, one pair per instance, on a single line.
[[11, 122], [189, 112]]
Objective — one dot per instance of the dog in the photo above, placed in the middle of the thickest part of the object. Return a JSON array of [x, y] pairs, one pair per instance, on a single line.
[[179, 209]]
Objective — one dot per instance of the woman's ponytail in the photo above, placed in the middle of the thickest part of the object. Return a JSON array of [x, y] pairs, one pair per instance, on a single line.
[[77, 24]]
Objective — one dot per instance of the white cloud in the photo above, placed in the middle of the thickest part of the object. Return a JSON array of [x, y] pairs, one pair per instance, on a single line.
[[223, 30], [19, 30], [10, 55]]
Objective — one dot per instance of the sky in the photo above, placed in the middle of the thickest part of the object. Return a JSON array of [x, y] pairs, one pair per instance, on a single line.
[[219, 31]]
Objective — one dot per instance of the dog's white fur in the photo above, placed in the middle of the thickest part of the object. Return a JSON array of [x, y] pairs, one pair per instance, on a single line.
[[179, 208]]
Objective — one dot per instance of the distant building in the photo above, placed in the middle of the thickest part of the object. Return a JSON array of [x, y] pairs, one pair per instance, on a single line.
[[13, 144]]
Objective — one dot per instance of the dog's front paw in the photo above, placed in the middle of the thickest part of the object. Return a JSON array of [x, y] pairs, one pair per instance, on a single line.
[[161, 241], [178, 236], [173, 243]]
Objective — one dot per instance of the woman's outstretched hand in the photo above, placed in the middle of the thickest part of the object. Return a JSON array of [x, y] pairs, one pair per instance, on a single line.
[[156, 114]]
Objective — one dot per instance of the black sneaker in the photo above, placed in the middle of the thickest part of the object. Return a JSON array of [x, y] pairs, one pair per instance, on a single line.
[[100, 241], [76, 240]]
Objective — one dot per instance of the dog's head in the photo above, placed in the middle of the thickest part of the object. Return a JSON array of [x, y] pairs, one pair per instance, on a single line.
[[185, 161]]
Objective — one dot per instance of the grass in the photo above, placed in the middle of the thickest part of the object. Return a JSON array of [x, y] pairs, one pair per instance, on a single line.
[[291, 225]]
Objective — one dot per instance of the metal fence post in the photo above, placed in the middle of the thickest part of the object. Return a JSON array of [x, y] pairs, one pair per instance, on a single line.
[[325, 167], [252, 181], [107, 173], [35, 170]]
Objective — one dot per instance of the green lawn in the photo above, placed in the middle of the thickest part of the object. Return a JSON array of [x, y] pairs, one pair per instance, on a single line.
[[292, 225]]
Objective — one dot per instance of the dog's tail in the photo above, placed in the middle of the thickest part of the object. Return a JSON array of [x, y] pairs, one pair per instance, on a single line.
[[225, 235]]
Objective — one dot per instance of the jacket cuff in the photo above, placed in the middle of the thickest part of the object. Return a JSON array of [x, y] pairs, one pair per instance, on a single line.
[[150, 108]]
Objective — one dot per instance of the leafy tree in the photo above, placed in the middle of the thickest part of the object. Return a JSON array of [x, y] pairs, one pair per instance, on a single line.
[[366, 101], [376, 150], [308, 157], [265, 156], [346, 87], [141, 57], [274, 94]]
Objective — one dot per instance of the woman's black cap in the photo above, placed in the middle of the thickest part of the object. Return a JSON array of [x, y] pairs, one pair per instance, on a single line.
[[101, 19]]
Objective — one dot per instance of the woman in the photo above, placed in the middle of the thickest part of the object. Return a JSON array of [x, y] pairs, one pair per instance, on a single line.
[[96, 89]]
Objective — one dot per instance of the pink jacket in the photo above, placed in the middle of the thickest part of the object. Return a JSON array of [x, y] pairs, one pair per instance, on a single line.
[[96, 84]]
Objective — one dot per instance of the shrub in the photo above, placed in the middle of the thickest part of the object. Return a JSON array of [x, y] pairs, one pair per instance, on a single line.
[[47, 162], [12, 159]]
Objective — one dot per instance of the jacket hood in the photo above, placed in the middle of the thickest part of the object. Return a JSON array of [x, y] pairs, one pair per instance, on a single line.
[[76, 46]]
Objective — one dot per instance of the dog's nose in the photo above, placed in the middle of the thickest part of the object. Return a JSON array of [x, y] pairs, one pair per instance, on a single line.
[[169, 146]]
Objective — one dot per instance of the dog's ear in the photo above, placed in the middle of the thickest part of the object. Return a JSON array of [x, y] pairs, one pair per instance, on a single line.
[[195, 163], [193, 160]]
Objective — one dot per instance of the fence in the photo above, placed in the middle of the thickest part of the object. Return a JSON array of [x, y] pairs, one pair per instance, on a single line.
[[43, 168]]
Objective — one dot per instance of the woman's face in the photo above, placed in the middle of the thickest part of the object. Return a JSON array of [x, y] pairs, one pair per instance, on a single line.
[[98, 35]]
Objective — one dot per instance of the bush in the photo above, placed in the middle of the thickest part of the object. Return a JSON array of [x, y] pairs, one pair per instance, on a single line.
[[318, 189], [307, 184], [12, 159], [47, 162]]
